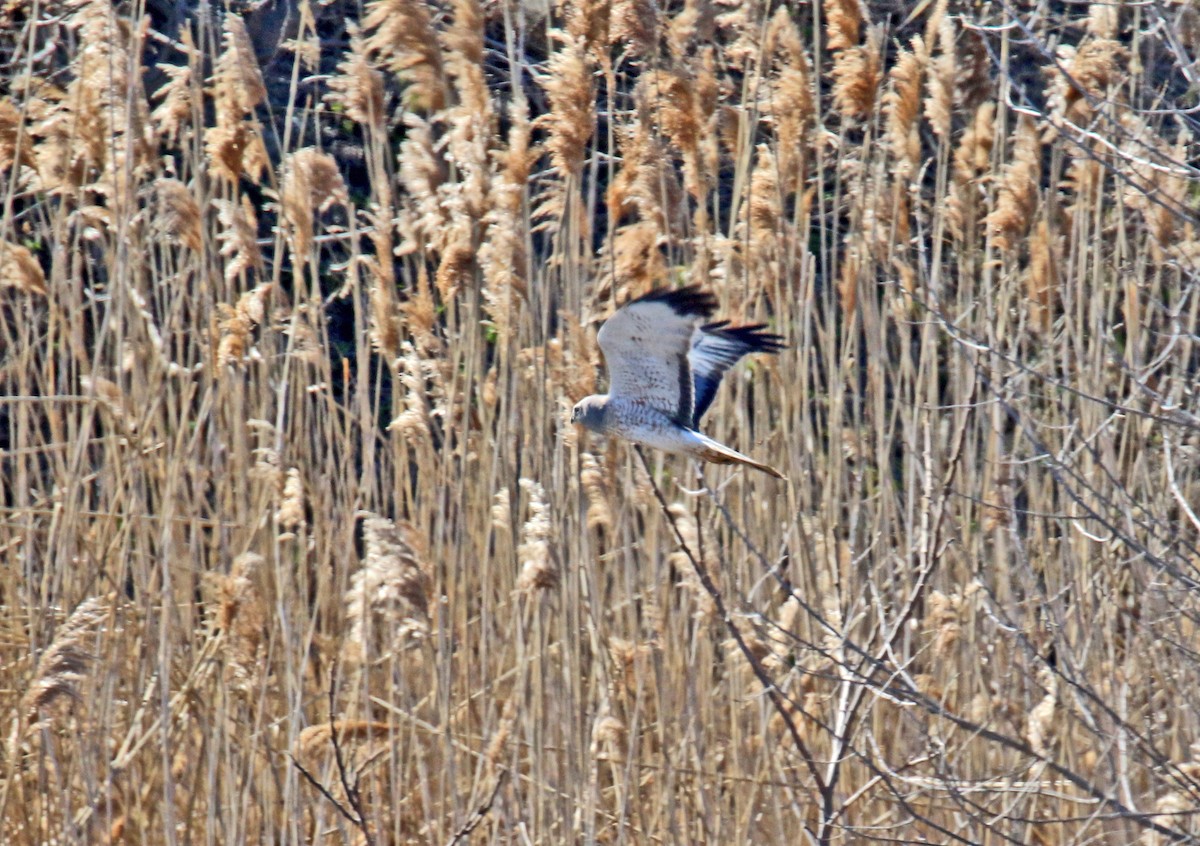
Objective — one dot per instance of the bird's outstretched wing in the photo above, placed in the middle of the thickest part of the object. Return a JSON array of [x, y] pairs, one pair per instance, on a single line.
[[646, 345], [715, 349]]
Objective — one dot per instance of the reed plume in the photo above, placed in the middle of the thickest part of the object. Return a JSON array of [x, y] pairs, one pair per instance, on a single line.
[[400, 35], [387, 603], [1017, 198], [64, 665]]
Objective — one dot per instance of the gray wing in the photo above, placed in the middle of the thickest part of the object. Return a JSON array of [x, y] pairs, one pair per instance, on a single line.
[[646, 345], [715, 349]]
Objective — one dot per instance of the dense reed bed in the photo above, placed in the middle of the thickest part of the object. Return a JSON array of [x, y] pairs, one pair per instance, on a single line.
[[299, 546]]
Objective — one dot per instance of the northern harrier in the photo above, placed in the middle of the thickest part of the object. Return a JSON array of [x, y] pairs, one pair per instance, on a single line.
[[664, 368]]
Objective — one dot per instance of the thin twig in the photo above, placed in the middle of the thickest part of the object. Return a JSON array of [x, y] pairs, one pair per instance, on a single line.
[[778, 701], [480, 813]]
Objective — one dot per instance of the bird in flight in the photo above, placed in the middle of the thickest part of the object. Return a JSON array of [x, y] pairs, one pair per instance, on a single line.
[[664, 365]]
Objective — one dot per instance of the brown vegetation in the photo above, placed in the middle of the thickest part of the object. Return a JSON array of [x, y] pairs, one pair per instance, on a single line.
[[298, 545]]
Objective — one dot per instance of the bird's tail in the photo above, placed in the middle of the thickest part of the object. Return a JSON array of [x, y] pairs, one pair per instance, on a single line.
[[718, 453]]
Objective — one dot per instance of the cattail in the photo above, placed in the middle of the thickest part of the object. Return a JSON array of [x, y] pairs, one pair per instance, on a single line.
[[387, 604], [20, 271], [400, 34], [1017, 198], [538, 568], [856, 75], [63, 666]]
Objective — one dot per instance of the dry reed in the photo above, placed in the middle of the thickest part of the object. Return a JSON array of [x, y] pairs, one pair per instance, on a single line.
[[287, 354]]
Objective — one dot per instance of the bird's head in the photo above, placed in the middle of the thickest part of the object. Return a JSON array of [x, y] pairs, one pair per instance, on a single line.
[[589, 412]]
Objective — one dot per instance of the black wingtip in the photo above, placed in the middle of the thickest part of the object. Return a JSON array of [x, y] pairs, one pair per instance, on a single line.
[[751, 335], [690, 300]]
